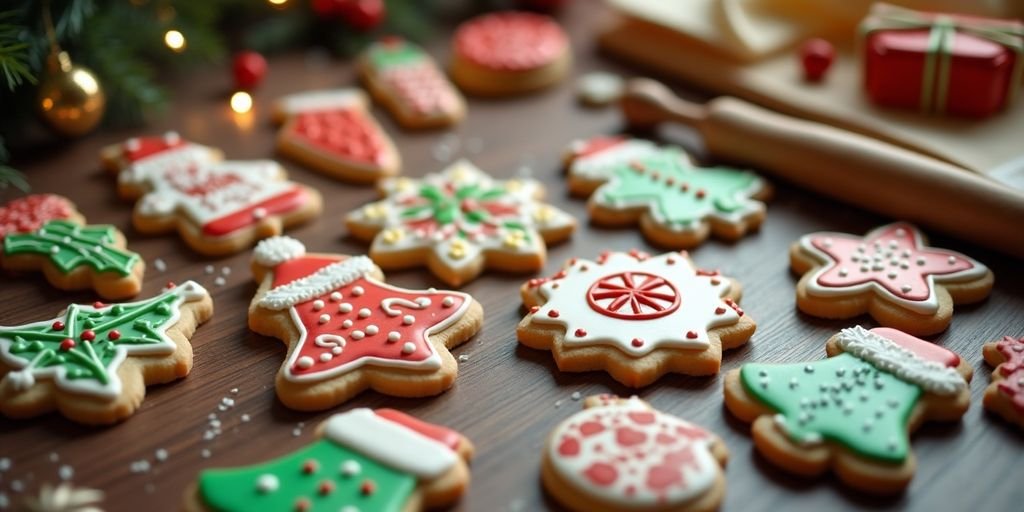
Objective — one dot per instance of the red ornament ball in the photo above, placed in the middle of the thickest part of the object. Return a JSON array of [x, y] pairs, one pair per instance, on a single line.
[[327, 9], [817, 56], [362, 15], [249, 69]]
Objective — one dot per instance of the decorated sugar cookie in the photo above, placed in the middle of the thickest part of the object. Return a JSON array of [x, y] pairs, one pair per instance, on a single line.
[[459, 222], [621, 454], [93, 363], [1005, 395], [218, 207], [333, 131], [853, 412], [348, 331], [889, 273], [506, 53], [364, 460], [635, 316], [407, 81], [633, 181], [29, 213]]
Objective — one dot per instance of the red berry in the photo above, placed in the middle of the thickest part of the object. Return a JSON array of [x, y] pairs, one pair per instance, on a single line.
[[325, 488], [581, 333], [114, 335], [553, 313], [302, 504], [368, 487], [67, 344], [98, 305], [310, 466], [363, 15], [817, 56], [691, 335], [58, 326], [637, 342], [88, 335], [249, 69]]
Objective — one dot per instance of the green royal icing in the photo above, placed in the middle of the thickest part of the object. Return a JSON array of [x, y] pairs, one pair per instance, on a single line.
[[842, 399], [726, 190], [464, 206], [226, 490], [76, 246], [392, 54]]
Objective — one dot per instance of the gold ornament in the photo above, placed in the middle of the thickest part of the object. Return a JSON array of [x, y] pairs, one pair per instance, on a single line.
[[71, 100]]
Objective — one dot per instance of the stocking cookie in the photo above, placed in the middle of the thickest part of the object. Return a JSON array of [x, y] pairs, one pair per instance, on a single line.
[[407, 81], [348, 331], [93, 363], [1005, 395], [635, 316], [364, 460], [218, 207], [677, 205], [889, 273], [506, 53], [853, 412], [621, 454], [460, 222], [29, 213], [332, 131]]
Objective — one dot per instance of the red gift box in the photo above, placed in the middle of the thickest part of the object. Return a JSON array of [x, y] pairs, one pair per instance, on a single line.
[[959, 65]]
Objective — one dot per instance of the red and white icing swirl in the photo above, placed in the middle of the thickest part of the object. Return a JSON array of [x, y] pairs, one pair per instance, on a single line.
[[629, 455], [29, 213], [511, 41]]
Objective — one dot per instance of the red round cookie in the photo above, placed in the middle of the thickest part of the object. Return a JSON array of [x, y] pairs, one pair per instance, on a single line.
[[30, 212], [510, 41]]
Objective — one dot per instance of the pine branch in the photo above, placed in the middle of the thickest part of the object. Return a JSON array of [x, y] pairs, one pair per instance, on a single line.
[[9, 176], [14, 52]]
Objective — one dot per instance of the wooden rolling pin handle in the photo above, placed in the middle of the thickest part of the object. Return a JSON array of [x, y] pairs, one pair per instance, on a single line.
[[850, 167]]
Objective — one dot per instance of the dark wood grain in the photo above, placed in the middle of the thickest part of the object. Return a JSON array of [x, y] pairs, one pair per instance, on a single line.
[[507, 397]]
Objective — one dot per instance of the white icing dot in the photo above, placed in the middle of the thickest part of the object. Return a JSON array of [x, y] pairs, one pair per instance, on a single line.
[[259, 213], [345, 307], [854, 258], [827, 242], [324, 318], [54, 249], [326, 356], [358, 335], [448, 302], [952, 260], [372, 329], [893, 244], [905, 288], [394, 336], [305, 362], [67, 239], [132, 144], [267, 483], [843, 272], [901, 232], [408, 320], [336, 350], [409, 347], [346, 324], [335, 296], [892, 275], [864, 268], [423, 302], [357, 291], [350, 468], [921, 262], [365, 313], [318, 305]]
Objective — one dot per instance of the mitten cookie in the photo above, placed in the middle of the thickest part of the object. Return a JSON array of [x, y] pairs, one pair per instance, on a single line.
[[889, 273], [507, 53], [407, 81], [854, 411], [348, 331], [332, 131], [632, 181], [93, 363], [635, 316], [365, 460], [218, 207], [459, 222], [29, 213], [1005, 395], [621, 454]]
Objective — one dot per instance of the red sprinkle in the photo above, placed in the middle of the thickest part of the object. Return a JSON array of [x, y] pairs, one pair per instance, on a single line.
[[715, 282], [684, 187], [534, 309], [701, 194], [637, 342], [691, 335], [368, 487], [310, 466], [326, 487], [553, 313], [88, 335], [302, 504], [98, 305], [169, 285], [58, 326], [581, 333], [114, 335], [719, 310], [67, 344]]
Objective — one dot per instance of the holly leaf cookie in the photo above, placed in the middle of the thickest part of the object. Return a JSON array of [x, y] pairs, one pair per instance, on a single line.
[[348, 331], [459, 222], [333, 131], [364, 460], [218, 207], [853, 412], [1005, 395], [677, 204], [621, 454], [889, 273], [93, 363], [635, 316]]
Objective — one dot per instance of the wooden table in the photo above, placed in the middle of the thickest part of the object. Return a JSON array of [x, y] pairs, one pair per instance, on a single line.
[[507, 398]]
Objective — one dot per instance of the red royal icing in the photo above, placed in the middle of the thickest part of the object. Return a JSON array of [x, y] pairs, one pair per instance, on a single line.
[[597, 145], [921, 348], [27, 214], [143, 147], [633, 296], [422, 88], [1012, 370], [510, 41], [445, 436], [288, 201], [343, 132]]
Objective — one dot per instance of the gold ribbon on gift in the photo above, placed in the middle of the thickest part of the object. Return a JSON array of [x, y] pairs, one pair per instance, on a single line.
[[939, 53]]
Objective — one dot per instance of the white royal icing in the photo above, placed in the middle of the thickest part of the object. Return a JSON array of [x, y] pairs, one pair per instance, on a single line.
[[389, 443], [322, 100], [599, 166], [889, 357], [273, 251], [318, 283]]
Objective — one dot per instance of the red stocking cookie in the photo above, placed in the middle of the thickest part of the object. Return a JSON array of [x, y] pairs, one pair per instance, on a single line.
[[332, 131], [889, 273], [1005, 395], [620, 454], [635, 316], [348, 331], [218, 207]]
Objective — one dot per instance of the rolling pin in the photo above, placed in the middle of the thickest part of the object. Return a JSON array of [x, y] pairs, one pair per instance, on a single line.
[[853, 168]]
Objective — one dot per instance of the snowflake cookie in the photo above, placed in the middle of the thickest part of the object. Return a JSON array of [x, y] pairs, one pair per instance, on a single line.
[[621, 454], [364, 460], [93, 363], [889, 273], [633, 181], [347, 330], [459, 222], [635, 316], [1005, 395], [854, 411]]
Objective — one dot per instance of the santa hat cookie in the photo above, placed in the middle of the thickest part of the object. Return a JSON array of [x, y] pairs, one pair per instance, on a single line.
[[854, 411], [348, 331], [218, 207], [365, 460]]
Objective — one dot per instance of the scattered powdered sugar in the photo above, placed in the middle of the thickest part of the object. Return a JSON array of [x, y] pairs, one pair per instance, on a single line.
[[159, 265]]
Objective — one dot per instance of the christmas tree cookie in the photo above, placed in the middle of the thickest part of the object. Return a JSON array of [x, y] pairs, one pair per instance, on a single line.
[[677, 204], [407, 81], [1005, 395], [635, 316], [364, 460], [218, 207], [333, 131], [93, 363], [889, 273], [348, 331], [29, 213], [854, 411], [459, 222]]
